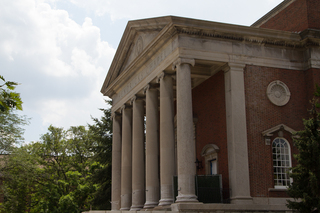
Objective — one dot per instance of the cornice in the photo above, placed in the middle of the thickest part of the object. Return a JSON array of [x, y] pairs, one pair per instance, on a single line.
[[247, 34], [172, 26]]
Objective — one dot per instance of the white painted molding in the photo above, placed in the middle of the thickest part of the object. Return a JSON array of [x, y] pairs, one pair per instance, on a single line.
[[278, 93], [213, 147], [269, 132]]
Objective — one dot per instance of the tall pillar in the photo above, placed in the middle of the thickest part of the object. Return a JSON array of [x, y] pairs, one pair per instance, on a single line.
[[185, 136], [116, 162], [167, 161], [126, 162], [237, 134], [152, 147], [138, 174]]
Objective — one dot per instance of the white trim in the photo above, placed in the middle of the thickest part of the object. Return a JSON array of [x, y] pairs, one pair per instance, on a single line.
[[290, 161]]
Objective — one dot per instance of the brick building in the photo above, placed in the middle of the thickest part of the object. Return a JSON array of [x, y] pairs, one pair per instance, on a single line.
[[194, 99]]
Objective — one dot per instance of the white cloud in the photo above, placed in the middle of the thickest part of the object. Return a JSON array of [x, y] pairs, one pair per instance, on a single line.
[[60, 64], [226, 11]]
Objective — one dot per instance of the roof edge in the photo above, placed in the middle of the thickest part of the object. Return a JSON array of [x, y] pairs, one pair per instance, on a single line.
[[272, 13]]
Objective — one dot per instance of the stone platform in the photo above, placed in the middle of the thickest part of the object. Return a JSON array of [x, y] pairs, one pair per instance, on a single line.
[[214, 208]]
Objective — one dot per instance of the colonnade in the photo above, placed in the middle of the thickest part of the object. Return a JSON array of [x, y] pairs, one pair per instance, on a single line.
[[135, 181]]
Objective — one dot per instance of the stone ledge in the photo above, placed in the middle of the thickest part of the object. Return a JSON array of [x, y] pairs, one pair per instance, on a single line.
[[185, 207], [214, 208]]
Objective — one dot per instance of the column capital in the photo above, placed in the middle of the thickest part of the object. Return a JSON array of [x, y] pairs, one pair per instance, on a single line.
[[124, 106], [180, 61], [150, 86], [234, 66], [114, 115], [136, 98], [162, 75]]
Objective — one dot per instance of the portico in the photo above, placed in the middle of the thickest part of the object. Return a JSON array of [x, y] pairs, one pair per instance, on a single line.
[[158, 64], [157, 104]]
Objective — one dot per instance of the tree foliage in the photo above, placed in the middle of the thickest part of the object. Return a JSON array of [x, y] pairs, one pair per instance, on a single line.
[[57, 168], [305, 188], [101, 133], [11, 130], [67, 171], [8, 98], [10, 123]]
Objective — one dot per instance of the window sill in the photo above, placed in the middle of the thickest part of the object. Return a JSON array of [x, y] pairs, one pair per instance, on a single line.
[[277, 189]]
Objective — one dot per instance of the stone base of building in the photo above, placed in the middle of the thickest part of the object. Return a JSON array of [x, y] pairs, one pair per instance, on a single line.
[[261, 205]]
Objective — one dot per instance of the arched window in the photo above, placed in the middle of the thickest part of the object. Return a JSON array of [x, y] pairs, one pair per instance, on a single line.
[[281, 162], [210, 154]]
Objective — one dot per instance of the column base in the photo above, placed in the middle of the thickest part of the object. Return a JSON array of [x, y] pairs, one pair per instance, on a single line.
[[124, 209], [136, 208], [150, 205], [186, 198], [165, 202]]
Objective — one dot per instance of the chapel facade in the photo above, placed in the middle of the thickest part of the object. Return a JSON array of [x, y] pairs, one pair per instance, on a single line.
[[194, 100]]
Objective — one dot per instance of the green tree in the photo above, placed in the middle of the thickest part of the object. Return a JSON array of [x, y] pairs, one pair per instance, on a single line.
[[8, 98], [10, 123], [18, 172], [101, 134], [58, 167], [305, 188], [11, 130]]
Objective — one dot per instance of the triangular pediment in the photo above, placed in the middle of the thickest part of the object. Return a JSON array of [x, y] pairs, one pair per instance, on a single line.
[[269, 132], [139, 43], [136, 38]]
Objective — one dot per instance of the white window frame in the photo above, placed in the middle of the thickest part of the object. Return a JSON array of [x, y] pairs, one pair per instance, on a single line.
[[281, 164]]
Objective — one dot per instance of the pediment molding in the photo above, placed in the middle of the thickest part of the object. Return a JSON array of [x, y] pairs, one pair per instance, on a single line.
[[123, 67], [269, 132]]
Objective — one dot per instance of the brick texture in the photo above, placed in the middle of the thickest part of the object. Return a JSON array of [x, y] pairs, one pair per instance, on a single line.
[[209, 108], [262, 114], [298, 16]]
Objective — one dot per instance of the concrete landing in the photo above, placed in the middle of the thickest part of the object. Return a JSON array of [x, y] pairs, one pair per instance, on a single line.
[[213, 208]]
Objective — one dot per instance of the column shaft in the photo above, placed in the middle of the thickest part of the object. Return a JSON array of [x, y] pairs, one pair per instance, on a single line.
[[138, 174], [185, 135], [152, 148], [116, 163], [167, 161], [126, 163], [237, 134]]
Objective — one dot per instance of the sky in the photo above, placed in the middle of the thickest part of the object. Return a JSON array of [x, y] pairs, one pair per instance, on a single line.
[[59, 51]]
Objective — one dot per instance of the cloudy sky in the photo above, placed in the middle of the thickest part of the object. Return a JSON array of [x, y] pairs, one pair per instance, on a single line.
[[60, 50]]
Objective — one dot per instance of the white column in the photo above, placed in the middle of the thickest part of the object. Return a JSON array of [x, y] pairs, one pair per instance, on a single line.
[[166, 140], [138, 174], [126, 162], [152, 147], [237, 134], [185, 136], [116, 162]]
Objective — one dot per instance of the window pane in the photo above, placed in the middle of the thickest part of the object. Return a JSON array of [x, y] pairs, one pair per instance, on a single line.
[[281, 162]]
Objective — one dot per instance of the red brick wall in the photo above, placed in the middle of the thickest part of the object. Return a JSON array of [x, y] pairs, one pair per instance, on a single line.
[[209, 107], [293, 18], [313, 14], [262, 115], [312, 78]]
